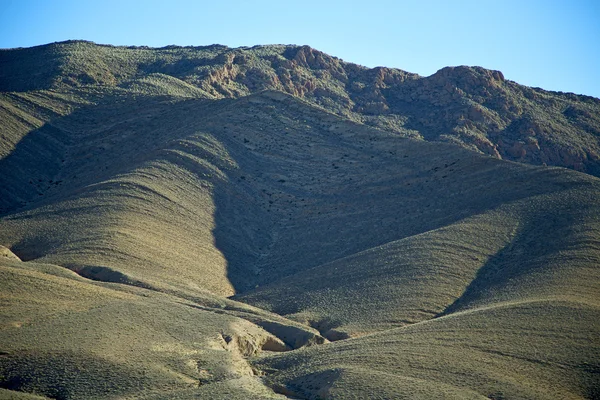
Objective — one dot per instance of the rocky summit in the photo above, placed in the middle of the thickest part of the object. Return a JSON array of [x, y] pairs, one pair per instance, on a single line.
[[273, 222]]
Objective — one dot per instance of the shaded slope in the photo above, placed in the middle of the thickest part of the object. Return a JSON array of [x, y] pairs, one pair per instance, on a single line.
[[532, 248], [466, 240], [341, 188], [23, 113]]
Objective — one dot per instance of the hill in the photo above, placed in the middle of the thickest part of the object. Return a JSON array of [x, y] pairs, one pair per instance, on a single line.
[[166, 234], [470, 106]]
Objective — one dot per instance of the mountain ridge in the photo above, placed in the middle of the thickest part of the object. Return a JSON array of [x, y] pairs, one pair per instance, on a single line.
[[469, 106], [205, 230]]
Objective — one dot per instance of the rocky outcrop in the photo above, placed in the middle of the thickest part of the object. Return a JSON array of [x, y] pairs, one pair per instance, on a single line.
[[471, 106]]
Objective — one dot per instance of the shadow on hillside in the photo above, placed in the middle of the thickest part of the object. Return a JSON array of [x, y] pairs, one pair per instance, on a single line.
[[30, 169], [262, 224], [530, 259], [67, 156], [44, 158]]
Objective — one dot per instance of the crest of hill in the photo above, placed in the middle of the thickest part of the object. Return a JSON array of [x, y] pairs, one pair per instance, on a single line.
[[470, 106]]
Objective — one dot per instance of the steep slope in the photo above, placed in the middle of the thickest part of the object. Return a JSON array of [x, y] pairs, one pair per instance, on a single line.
[[171, 229], [534, 248], [473, 107], [122, 187], [283, 169], [336, 226]]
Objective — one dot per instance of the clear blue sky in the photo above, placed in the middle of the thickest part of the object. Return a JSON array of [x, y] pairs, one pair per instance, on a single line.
[[546, 43]]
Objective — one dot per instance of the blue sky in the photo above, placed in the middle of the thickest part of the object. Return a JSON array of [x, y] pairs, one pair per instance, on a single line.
[[550, 44]]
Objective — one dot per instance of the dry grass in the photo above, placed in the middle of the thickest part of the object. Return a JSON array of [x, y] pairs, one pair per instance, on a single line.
[[66, 337], [455, 275], [533, 350]]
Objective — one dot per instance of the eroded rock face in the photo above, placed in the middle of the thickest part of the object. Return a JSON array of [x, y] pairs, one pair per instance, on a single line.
[[473, 107]]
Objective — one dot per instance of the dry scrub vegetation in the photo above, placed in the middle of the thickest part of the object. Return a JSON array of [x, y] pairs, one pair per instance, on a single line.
[[171, 229]]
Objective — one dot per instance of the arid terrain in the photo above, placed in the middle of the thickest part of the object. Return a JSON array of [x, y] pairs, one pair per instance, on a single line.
[[273, 222]]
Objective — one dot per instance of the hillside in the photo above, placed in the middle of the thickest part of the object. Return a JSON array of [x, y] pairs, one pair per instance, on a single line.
[[470, 106], [187, 223]]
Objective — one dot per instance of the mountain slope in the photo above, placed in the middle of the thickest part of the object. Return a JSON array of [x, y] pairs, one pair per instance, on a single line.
[[67, 337], [469, 355], [161, 238], [473, 107]]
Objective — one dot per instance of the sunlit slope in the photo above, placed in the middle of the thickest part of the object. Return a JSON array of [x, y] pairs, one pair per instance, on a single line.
[[63, 336], [523, 350], [127, 197]]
